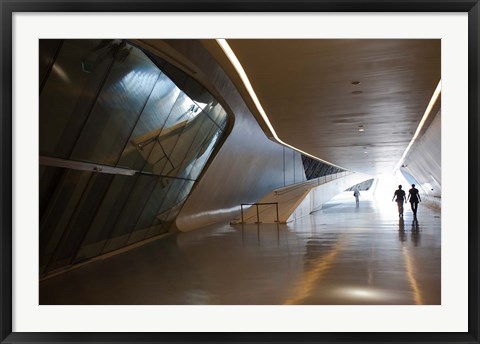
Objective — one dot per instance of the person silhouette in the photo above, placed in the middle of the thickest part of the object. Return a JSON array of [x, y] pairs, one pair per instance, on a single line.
[[400, 195], [356, 193], [414, 198]]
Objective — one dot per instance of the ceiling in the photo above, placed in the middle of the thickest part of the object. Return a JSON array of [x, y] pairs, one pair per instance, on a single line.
[[308, 89]]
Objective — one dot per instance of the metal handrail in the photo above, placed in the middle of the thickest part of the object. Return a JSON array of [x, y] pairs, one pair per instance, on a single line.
[[258, 214], [287, 189], [316, 181]]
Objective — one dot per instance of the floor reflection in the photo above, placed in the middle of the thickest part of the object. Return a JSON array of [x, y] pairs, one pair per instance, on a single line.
[[401, 230], [319, 258], [415, 233], [340, 255]]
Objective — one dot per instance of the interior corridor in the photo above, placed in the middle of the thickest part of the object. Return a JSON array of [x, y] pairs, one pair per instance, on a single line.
[[342, 254]]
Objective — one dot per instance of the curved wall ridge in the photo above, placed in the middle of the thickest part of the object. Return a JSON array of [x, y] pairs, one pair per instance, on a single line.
[[423, 165], [248, 165]]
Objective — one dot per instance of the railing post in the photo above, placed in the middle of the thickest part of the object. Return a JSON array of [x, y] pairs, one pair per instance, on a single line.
[[241, 206], [276, 204], [258, 218]]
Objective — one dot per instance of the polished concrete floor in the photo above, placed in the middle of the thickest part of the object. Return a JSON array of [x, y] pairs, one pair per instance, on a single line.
[[340, 255]]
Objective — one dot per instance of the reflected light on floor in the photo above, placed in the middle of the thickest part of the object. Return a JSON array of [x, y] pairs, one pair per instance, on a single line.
[[364, 294], [417, 295], [384, 191], [312, 276]]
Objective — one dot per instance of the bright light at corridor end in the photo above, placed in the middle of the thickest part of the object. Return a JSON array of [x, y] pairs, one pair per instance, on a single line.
[[432, 102], [241, 72]]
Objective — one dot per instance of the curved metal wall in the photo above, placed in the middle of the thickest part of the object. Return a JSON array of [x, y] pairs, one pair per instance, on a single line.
[[248, 164], [423, 164]]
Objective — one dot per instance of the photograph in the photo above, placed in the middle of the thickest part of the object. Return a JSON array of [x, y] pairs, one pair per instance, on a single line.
[[159, 185], [241, 172]]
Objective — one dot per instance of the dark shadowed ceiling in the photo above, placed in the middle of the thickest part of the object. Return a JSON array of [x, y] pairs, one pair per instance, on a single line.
[[310, 92]]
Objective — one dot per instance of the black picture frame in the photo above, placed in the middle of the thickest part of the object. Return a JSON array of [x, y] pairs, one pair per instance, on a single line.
[[9, 7]]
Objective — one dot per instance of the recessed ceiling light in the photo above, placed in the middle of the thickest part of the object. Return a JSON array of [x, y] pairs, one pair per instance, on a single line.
[[356, 82], [361, 130], [357, 92]]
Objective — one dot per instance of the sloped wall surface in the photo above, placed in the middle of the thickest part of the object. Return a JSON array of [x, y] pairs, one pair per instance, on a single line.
[[247, 166], [423, 165]]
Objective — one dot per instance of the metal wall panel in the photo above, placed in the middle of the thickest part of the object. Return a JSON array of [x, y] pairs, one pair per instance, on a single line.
[[247, 166], [423, 163]]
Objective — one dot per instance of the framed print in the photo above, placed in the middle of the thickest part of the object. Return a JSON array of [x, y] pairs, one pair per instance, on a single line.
[[184, 171]]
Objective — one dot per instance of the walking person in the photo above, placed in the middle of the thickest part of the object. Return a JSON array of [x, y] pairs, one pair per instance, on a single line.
[[400, 195], [414, 199], [356, 193]]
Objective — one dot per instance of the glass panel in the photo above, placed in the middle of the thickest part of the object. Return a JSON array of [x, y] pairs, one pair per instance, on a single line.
[[106, 102], [204, 153], [49, 179], [127, 220], [59, 212], [151, 209], [151, 121], [323, 170], [69, 93], [47, 50], [203, 134], [160, 158], [165, 219], [118, 107], [170, 198], [184, 149], [107, 215], [184, 192], [184, 110], [81, 219]]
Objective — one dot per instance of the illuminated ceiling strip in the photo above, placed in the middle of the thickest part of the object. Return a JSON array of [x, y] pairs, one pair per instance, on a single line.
[[241, 72], [434, 98]]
